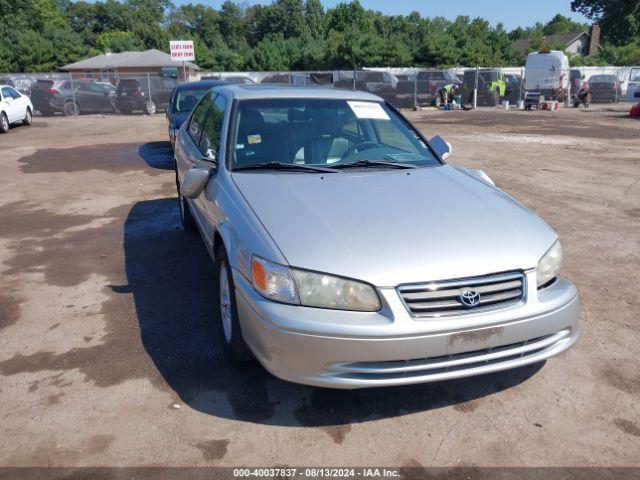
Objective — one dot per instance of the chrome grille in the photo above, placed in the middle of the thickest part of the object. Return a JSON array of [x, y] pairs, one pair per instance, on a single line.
[[435, 299]]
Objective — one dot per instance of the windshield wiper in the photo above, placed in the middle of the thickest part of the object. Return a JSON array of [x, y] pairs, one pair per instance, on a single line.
[[372, 163], [283, 166]]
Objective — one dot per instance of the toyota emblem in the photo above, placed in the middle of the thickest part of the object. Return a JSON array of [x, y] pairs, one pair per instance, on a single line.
[[470, 298]]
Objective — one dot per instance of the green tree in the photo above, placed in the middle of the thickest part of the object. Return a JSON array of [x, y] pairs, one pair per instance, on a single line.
[[314, 17], [562, 24], [118, 41], [619, 19]]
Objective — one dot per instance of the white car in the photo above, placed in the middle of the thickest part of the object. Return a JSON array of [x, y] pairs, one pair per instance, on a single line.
[[14, 107]]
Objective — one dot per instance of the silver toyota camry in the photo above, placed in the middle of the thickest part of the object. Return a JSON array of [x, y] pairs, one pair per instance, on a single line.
[[348, 254]]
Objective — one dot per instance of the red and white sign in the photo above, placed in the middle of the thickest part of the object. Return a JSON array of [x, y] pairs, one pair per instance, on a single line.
[[182, 50]]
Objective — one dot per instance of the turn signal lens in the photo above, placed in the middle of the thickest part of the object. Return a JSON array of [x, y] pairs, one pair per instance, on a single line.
[[259, 274], [273, 281]]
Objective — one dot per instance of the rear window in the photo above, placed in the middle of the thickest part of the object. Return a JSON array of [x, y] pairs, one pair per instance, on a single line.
[[128, 84], [602, 78]]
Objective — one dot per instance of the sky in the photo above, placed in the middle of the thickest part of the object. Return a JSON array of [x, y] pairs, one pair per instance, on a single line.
[[512, 13]]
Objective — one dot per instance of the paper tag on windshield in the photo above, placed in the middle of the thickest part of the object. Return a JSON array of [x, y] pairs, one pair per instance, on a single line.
[[371, 110], [253, 139]]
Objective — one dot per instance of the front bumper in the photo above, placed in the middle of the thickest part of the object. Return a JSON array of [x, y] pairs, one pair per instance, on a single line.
[[341, 349]]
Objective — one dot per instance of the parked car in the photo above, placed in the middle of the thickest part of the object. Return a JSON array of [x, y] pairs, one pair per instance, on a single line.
[[513, 88], [633, 88], [605, 88], [87, 96], [491, 87], [14, 107], [430, 82], [576, 79], [548, 74], [381, 83], [349, 254], [241, 80], [185, 97], [147, 94]]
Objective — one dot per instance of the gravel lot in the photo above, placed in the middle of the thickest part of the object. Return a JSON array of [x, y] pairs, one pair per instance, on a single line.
[[108, 357]]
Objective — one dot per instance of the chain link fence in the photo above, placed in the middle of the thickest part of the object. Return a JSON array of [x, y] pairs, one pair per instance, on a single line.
[[126, 93]]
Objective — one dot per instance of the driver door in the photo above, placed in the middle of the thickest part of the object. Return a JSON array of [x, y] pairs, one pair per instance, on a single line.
[[211, 147]]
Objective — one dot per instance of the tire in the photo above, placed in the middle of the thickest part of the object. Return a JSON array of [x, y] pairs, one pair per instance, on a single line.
[[4, 123], [28, 118], [226, 312], [71, 108], [150, 107], [186, 217]]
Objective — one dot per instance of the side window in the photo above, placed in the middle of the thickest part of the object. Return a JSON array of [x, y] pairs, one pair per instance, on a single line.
[[5, 93], [14, 93], [212, 128], [198, 117]]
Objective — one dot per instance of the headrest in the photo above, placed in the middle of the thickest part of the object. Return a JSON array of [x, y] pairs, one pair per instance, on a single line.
[[251, 120]]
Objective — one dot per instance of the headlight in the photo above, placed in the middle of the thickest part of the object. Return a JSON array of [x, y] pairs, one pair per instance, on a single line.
[[310, 289], [550, 264], [273, 281], [326, 291]]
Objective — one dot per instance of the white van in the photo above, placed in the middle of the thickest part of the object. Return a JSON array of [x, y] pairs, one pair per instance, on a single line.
[[547, 73]]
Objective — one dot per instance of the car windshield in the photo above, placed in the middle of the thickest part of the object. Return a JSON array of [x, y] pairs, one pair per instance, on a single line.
[[186, 100], [325, 132]]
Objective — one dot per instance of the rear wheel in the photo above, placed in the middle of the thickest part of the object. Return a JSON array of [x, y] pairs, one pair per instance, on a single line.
[[71, 108], [4, 123], [150, 106], [28, 118], [226, 312]]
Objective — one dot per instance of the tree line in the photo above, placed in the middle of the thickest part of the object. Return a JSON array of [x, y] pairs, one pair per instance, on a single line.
[[42, 35]]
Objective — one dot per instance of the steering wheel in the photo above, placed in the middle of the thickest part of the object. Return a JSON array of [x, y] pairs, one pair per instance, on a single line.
[[358, 147]]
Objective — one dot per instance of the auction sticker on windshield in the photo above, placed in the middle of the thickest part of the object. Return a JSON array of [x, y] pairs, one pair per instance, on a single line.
[[371, 110]]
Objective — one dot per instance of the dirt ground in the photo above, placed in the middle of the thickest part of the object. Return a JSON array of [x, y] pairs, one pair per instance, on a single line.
[[108, 356]]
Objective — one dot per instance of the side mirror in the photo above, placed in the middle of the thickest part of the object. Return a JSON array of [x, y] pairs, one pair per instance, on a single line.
[[442, 148], [210, 156], [194, 182]]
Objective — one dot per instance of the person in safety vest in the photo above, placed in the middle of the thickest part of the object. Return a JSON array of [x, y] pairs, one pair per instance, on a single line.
[[447, 93]]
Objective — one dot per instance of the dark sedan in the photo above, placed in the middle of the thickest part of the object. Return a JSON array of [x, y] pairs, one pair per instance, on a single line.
[[185, 96], [605, 88]]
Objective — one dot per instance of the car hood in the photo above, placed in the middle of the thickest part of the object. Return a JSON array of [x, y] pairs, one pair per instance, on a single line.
[[389, 227]]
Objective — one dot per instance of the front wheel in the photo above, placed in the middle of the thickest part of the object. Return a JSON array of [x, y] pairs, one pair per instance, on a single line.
[[226, 312], [28, 118]]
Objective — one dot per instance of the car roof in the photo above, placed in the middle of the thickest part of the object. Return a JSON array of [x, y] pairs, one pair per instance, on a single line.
[[258, 91], [200, 84]]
